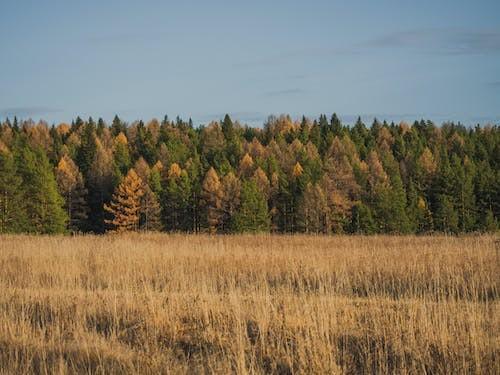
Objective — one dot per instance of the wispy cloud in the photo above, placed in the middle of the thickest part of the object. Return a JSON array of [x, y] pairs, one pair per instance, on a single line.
[[285, 92], [440, 41], [24, 112], [445, 41], [494, 84]]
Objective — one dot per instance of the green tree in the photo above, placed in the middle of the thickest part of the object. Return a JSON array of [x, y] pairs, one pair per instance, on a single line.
[[252, 215], [44, 204], [13, 216]]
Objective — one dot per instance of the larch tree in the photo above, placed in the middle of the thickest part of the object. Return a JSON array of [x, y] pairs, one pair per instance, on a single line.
[[246, 166], [100, 184], [231, 190], [313, 210], [126, 204], [71, 186], [212, 200]]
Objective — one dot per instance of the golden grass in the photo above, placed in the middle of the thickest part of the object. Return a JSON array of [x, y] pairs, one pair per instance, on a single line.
[[249, 304]]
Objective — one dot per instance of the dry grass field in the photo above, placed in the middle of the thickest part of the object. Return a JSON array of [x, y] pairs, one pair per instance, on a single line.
[[249, 304]]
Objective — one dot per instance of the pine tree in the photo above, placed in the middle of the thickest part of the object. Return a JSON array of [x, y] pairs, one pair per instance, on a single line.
[[71, 186], [13, 216], [126, 204], [252, 215]]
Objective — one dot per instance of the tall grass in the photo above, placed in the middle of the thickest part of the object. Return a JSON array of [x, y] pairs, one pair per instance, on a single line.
[[249, 304]]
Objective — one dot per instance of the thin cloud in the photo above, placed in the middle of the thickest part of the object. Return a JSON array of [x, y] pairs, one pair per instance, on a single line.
[[440, 41], [444, 41], [23, 112]]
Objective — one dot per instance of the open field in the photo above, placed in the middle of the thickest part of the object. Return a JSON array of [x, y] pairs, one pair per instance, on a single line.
[[249, 304]]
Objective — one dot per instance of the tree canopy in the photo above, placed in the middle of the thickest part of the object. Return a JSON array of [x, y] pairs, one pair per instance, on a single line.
[[306, 175]]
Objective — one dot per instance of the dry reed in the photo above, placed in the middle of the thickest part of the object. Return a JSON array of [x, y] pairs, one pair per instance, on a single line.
[[249, 304]]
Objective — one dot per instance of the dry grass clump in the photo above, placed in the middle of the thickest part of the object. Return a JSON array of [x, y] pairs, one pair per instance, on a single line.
[[249, 304]]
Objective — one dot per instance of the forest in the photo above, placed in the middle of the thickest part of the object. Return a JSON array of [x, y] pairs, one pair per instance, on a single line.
[[290, 176]]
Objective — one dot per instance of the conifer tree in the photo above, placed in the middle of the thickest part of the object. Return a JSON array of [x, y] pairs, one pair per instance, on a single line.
[[13, 216], [212, 200], [71, 186], [246, 166], [362, 221], [177, 196], [100, 184], [44, 204], [252, 215], [313, 211], [231, 189], [121, 153], [150, 211], [126, 204], [87, 150]]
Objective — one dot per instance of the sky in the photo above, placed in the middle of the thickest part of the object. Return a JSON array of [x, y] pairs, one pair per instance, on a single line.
[[394, 60]]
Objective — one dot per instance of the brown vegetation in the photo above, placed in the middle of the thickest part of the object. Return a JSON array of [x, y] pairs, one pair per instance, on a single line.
[[249, 304]]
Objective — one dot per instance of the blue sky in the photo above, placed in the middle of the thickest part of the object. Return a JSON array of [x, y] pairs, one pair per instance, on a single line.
[[398, 60]]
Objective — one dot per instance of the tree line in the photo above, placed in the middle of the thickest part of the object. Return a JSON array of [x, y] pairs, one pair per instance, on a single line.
[[290, 176]]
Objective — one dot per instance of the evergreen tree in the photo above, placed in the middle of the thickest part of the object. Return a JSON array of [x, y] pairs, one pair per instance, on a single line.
[[362, 221], [13, 216], [87, 150], [44, 204], [177, 200], [150, 211], [252, 215], [121, 153]]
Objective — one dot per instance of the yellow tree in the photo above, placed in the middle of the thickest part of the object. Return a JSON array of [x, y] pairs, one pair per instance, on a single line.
[[71, 186], [126, 204], [246, 166], [212, 198]]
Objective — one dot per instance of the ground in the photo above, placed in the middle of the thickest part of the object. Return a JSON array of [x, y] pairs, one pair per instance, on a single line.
[[157, 303]]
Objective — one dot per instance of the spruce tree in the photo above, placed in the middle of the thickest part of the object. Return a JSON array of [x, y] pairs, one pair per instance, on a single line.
[[252, 215], [13, 216], [44, 204]]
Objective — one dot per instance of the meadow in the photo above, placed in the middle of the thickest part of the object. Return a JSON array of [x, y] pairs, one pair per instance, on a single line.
[[157, 303]]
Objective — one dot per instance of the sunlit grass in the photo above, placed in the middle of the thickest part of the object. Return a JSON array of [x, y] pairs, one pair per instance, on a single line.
[[249, 304]]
